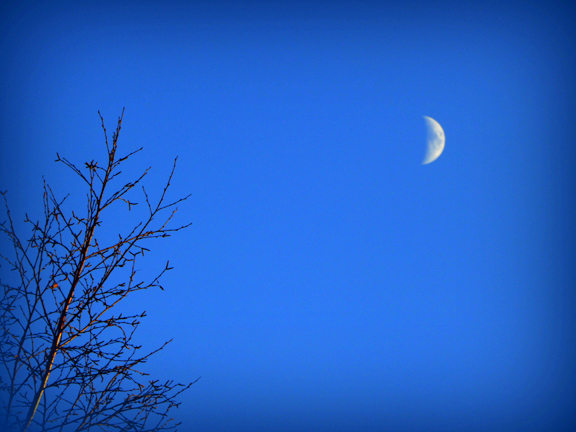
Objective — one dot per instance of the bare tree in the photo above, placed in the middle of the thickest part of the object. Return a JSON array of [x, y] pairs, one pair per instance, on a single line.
[[68, 358]]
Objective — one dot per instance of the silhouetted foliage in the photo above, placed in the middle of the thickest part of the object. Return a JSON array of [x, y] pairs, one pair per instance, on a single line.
[[67, 353]]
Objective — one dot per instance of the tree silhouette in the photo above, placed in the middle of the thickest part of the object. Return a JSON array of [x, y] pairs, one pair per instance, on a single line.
[[67, 353]]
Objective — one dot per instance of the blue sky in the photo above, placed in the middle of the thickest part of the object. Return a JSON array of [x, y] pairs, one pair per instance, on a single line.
[[329, 280]]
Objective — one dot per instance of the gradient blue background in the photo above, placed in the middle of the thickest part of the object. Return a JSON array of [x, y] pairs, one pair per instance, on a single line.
[[329, 281]]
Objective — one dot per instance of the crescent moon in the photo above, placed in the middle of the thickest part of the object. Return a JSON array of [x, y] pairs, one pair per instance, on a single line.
[[436, 140]]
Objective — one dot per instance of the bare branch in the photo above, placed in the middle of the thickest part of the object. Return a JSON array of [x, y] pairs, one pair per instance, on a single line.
[[67, 356]]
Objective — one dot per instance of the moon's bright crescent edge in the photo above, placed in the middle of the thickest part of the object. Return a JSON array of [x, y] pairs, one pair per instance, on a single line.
[[436, 140]]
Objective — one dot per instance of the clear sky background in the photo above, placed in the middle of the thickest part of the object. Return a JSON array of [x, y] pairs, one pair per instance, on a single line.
[[329, 281]]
